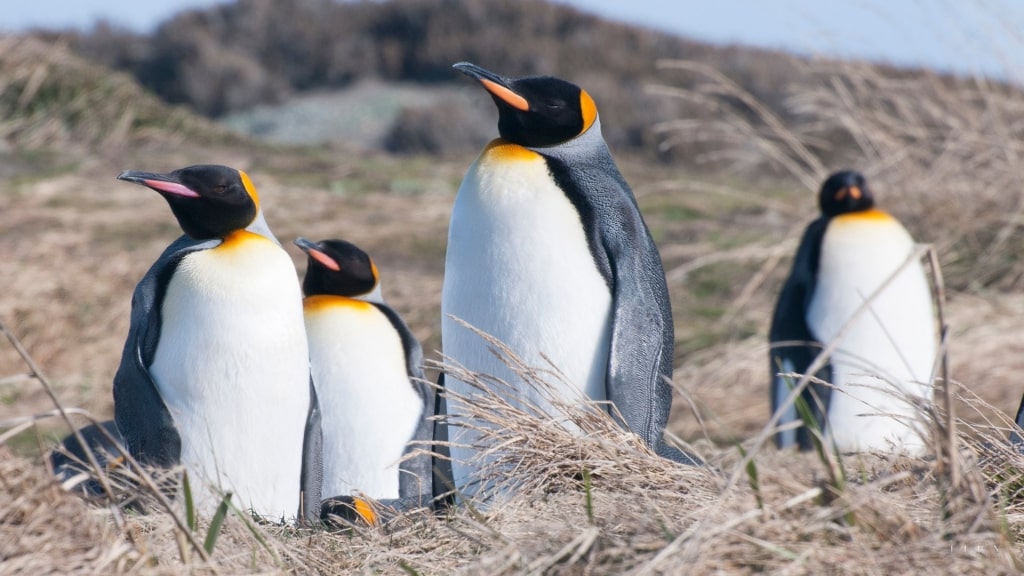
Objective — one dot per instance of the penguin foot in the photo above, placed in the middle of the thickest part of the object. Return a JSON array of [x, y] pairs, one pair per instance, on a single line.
[[676, 455]]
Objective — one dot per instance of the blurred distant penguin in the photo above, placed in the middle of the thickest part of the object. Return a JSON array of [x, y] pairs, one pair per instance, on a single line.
[[366, 368], [215, 371], [883, 363], [548, 253], [1015, 437]]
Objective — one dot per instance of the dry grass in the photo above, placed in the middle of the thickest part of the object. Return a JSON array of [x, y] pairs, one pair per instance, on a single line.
[[50, 97], [600, 504]]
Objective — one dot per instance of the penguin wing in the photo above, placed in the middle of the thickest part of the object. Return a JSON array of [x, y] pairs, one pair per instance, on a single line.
[[312, 477], [1015, 437], [415, 486], [639, 372], [793, 346], [442, 479], [140, 413]]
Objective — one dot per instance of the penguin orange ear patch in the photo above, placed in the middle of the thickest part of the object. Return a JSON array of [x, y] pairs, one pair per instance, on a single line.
[[250, 188], [506, 95], [589, 109], [365, 511]]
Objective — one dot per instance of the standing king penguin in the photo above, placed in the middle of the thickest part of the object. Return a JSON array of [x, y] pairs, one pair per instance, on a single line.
[[215, 372], [882, 366], [367, 369], [548, 253]]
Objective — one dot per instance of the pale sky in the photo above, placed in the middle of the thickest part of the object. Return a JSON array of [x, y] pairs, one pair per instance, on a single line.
[[968, 36]]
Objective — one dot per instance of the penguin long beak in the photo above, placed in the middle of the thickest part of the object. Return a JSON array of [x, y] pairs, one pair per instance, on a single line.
[[496, 85], [160, 182], [316, 252]]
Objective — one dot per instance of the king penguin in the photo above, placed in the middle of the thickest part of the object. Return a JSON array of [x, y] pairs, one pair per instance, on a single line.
[[882, 365], [1015, 438], [548, 253], [376, 409], [215, 371]]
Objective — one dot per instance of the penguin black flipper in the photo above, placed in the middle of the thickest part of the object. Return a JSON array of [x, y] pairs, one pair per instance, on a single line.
[[69, 459], [141, 415], [415, 483], [1015, 437], [312, 478], [789, 325], [442, 479], [639, 368]]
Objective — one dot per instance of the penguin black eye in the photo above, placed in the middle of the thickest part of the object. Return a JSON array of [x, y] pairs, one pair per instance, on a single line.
[[555, 104], [219, 189]]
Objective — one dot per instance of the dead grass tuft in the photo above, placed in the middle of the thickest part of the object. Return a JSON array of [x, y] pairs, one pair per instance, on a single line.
[[599, 503], [50, 97]]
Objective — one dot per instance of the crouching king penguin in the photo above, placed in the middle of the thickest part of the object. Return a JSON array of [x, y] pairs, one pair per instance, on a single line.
[[70, 462], [881, 368], [367, 369], [548, 253], [215, 371], [1015, 438]]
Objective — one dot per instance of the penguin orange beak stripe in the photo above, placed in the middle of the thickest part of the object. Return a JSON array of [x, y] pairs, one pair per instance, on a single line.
[[324, 259], [158, 182], [314, 251], [171, 188], [507, 95], [494, 84]]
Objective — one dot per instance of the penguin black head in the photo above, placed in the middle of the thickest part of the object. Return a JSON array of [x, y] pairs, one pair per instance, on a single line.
[[536, 111], [209, 201], [845, 192], [338, 268]]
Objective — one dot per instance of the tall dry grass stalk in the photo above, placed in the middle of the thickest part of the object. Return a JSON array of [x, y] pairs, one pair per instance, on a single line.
[[945, 154]]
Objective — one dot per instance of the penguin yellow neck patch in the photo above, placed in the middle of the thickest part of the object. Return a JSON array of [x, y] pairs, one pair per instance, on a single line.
[[237, 240], [323, 302], [872, 214], [505, 151], [589, 109], [250, 188]]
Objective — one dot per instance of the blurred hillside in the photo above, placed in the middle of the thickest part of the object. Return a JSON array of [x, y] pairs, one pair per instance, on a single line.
[[251, 53], [284, 69]]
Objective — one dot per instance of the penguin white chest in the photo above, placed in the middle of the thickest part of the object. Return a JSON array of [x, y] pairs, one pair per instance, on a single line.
[[369, 408], [884, 361], [232, 369], [519, 268]]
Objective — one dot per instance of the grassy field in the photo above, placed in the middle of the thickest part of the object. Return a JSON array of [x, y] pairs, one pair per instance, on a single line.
[[73, 243]]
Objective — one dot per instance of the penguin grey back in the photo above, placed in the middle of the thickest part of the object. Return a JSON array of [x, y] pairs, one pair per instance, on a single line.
[[639, 371]]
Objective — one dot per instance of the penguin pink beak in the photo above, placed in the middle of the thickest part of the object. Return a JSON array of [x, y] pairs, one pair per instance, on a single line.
[[159, 182]]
